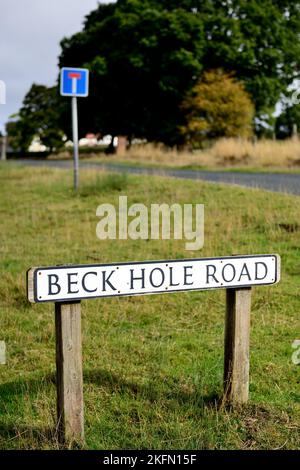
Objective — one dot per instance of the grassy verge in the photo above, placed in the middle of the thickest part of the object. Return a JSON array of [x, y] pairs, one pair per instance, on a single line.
[[224, 154], [152, 365], [128, 162]]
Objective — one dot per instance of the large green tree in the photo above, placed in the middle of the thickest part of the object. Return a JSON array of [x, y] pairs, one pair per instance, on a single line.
[[145, 55], [39, 116], [142, 60]]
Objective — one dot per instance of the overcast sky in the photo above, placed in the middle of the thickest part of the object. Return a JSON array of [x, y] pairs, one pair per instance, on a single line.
[[30, 33]]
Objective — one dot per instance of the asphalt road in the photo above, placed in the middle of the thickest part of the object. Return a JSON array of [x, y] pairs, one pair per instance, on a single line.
[[279, 182]]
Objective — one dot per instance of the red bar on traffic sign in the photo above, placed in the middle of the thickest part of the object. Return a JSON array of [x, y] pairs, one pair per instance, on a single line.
[[74, 75]]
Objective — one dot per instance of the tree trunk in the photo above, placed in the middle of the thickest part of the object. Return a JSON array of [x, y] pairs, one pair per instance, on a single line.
[[122, 145]]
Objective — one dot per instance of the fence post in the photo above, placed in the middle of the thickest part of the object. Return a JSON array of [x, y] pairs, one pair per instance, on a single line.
[[70, 419], [236, 351], [3, 147]]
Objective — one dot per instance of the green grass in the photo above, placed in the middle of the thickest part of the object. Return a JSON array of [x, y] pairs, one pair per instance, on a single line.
[[152, 365], [115, 160]]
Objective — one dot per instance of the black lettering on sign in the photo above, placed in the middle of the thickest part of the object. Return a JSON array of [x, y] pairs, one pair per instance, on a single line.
[[84, 284], [186, 275], [172, 284], [229, 277], [256, 271], [246, 273], [52, 283], [141, 278], [162, 277], [71, 283], [209, 274], [106, 280]]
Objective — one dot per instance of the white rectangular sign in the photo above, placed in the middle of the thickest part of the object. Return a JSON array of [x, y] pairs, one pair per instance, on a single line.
[[71, 283]]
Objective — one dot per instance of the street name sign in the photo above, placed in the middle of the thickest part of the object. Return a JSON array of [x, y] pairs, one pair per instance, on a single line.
[[73, 283], [66, 286]]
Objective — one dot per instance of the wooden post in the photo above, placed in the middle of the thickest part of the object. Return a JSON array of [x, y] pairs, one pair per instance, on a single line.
[[69, 372], [122, 145], [3, 147], [236, 354], [295, 132]]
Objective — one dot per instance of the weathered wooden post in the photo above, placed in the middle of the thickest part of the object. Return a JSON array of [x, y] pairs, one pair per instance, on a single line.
[[122, 145], [3, 148], [236, 350], [70, 418]]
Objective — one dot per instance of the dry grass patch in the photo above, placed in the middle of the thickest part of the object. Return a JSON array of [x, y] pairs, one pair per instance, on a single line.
[[225, 153]]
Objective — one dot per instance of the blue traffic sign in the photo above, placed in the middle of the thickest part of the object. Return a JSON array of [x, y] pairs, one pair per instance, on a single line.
[[74, 82]]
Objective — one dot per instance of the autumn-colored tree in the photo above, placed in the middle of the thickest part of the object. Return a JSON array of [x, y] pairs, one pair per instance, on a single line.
[[217, 106]]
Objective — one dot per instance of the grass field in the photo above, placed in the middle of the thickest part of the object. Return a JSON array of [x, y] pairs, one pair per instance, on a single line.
[[152, 365]]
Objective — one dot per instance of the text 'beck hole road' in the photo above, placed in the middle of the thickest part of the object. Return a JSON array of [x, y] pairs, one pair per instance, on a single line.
[[77, 282]]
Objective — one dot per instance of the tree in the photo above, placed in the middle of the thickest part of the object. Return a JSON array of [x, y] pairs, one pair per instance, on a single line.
[[38, 116], [145, 55], [259, 39], [217, 106], [142, 59], [288, 122], [19, 134]]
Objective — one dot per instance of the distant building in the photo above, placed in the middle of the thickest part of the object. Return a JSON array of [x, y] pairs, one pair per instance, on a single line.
[[90, 140], [94, 140], [37, 146]]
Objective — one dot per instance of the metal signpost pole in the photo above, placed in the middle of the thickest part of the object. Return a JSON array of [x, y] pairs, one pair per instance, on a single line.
[[74, 82], [75, 142]]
